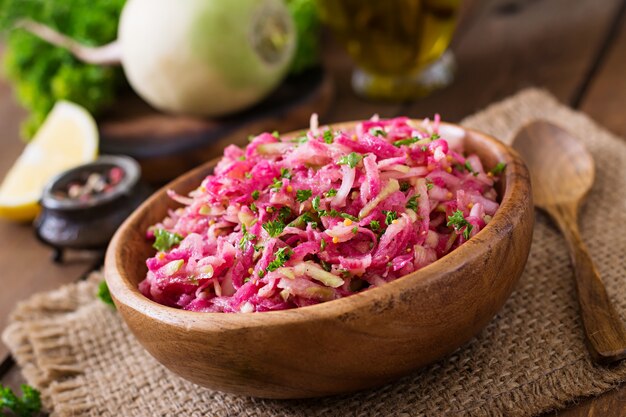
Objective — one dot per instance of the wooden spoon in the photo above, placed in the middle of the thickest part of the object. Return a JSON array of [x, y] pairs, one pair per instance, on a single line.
[[562, 173]]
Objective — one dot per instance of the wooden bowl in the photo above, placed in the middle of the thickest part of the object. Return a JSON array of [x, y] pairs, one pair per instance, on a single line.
[[340, 346]]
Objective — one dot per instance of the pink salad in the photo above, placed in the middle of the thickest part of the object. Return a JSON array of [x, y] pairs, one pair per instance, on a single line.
[[290, 222]]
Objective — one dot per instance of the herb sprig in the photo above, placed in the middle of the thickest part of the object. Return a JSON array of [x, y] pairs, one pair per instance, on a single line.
[[281, 256], [27, 406], [164, 240], [457, 221], [352, 159]]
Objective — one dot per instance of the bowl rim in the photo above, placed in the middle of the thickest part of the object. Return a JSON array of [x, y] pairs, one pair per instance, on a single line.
[[126, 293]]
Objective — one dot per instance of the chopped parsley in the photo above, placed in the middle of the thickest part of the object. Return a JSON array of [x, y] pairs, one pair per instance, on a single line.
[[255, 194], [281, 256], [301, 139], [284, 213], [28, 405], [303, 219], [328, 136], [429, 184], [355, 230], [284, 173], [242, 158], [277, 184], [497, 170], [457, 221], [164, 240], [104, 295], [246, 238], [407, 142], [469, 168], [323, 245], [404, 186], [276, 134], [274, 228], [331, 193], [348, 216], [352, 159], [254, 208], [412, 203], [375, 225], [378, 131], [248, 175], [390, 216], [414, 139], [332, 213], [327, 266], [303, 195], [316, 203]]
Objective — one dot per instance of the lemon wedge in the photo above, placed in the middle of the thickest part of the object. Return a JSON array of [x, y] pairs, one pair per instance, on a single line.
[[67, 138]]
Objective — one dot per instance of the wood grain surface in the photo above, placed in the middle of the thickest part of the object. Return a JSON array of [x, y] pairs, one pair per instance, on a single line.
[[576, 50]]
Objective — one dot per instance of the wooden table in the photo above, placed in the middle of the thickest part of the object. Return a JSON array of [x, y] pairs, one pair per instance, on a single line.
[[576, 49]]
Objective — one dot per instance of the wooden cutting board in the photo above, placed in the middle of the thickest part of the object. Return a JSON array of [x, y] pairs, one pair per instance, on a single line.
[[167, 145]]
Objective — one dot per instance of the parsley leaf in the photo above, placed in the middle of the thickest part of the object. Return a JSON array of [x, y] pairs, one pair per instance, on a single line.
[[331, 193], [274, 228], [302, 220], [284, 173], [347, 216], [28, 405], [352, 159], [378, 131], [284, 213], [316, 203], [469, 168], [247, 237], [255, 194], [327, 266], [164, 240], [390, 216], [497, 170], [277, 184], [104, 295], [355, 230], [429, 184], [407, 142], [375, 225], [328, 136], [458, 221], [412, 203], [281, 256], [303, 195], [404, 186], [276, 134], [254, 208]]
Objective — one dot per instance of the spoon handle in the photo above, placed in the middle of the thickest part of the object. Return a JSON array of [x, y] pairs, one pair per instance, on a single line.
[[605, 332]]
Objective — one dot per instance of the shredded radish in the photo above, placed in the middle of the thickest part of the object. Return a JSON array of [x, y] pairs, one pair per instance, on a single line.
[[291, 222]]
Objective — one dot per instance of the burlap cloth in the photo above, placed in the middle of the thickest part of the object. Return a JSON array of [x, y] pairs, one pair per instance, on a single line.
[[529, 359]]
